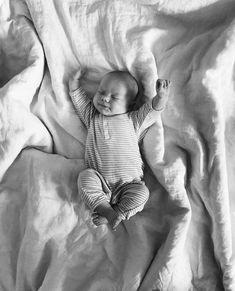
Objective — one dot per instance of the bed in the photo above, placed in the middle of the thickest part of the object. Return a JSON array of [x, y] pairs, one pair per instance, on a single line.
[[184, 238]]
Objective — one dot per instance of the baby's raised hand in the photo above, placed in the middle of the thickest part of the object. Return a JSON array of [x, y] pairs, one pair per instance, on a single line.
[[163, 89], [74, 81], [80, 72]]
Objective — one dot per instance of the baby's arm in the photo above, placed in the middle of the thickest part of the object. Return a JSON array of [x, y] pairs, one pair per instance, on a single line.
[[160, 100], [82, 103], [74, 82], [148, 113]]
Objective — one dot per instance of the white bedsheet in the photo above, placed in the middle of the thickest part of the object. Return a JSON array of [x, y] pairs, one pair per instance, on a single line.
[[184, 238]]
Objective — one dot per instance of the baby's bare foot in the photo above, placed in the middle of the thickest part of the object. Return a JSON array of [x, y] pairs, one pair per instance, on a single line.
[[115, 222], [98, 219], [105, 213]]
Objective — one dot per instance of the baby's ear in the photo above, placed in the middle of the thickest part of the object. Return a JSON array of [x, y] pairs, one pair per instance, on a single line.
[[134, 103], [140, 98]]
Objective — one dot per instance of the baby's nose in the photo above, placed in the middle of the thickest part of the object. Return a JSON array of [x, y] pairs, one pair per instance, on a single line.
[[106, 98]]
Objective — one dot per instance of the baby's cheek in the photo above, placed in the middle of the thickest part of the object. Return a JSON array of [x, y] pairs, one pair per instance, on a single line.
[[95, 100]]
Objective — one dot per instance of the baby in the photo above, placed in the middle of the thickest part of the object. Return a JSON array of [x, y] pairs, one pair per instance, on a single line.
[[112, 186]]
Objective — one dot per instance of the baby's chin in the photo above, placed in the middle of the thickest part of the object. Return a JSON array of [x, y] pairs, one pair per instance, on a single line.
[[104, 111], [108, 111]]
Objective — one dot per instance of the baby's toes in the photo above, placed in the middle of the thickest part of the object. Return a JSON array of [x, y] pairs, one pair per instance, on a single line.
[[99, 220]]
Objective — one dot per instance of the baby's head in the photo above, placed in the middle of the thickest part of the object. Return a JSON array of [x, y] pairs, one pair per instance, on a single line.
[[116, 93]]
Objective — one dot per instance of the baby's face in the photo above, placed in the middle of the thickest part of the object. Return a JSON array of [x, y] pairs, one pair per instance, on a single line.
[[112, 97]]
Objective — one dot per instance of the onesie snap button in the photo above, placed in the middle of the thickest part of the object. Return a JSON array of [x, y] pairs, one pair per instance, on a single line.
[[106, 128]]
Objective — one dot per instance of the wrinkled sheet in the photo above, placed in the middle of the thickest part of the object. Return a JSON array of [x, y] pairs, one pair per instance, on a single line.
[[184, 238]]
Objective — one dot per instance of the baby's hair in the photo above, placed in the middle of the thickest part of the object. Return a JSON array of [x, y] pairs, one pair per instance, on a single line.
[[126, 77]]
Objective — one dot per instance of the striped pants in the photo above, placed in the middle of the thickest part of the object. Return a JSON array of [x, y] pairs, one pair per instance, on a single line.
[[127, 200]]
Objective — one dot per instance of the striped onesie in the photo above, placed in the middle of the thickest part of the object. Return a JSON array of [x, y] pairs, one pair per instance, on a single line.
[[114, 165]]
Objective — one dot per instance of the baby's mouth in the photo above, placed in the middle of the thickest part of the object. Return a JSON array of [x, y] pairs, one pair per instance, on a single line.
[[104, 105]]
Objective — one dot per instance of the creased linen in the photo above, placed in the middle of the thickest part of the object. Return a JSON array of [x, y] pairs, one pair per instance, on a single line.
[[184, 238]]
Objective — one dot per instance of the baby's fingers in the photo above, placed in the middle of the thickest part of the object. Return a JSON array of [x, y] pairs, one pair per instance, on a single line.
[[162, 83], [78, 74], [168, 82]]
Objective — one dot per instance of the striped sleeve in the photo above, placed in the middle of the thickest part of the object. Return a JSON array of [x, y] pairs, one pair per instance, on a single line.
[[143, 114], [83, 105]]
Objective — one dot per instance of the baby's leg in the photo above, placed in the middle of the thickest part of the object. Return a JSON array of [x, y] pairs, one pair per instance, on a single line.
[[105, 213], [133, 197], [94, 192], [96, 195]]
